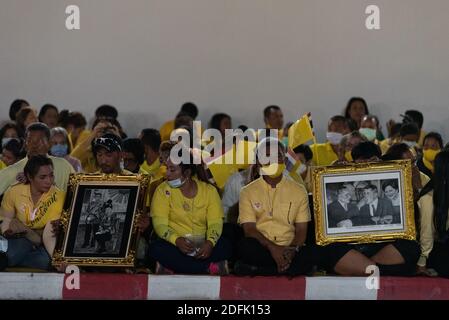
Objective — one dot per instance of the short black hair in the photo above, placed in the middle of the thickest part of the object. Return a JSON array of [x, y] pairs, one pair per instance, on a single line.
[[191, 109], [390, 183], [7, 126], [305, 150], [396, 152], [152, 138], [35, 163], [74, 118], [436, 136], [351, 101], [135, 146], [44, 110], [15, 107], [366, 150], [106, 111], [339, 118], [38, 126], [371, 187], [409, 128], [15, 146], [216, 120], [395, 129], [269, 109], [415, 116], [183, 119]]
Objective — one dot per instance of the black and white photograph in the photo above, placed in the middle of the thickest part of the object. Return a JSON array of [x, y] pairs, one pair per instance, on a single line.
[[364, 203], [100, 228]]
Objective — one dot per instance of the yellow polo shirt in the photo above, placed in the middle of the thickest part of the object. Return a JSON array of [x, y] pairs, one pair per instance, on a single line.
[[83, 136], [175, 216], [274, 210], [166, 130], [323, 154], [17, 200], [150, 169]]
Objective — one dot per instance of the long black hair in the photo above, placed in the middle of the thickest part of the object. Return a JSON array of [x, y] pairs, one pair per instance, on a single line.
[[441, 193]]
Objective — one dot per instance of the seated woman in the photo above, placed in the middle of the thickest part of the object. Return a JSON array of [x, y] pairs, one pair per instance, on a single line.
[[391, 191], [396, 257], [436, 233], [433, 143], [187, 216], [28, 212]]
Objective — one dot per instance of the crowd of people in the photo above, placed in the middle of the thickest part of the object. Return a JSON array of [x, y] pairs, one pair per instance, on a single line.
[[258, 223]]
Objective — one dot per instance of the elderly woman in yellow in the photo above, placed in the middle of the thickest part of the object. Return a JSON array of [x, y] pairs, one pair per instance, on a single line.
[[188, 219], [28, 211]]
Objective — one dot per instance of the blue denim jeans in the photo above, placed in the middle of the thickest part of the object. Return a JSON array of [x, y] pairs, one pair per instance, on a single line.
[[22, 253]]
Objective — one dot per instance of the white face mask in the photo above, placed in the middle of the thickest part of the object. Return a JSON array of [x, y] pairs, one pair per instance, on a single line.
[[177, 183], [334, 137], [411, 144], [301, 169]]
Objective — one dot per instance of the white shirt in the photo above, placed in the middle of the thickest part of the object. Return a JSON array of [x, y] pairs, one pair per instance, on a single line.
[[231, 193]]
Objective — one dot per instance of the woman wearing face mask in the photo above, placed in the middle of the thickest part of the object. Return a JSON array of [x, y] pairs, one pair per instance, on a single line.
[[187, 216], [433, 143], [409, 134], [60, 147], [324, 154], [369, 128]]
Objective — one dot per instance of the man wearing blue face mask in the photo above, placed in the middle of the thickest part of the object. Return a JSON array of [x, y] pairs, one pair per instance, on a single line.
[[324, 154], [60, 147]]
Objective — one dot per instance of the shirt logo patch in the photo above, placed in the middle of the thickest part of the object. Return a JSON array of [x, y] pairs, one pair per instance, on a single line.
[[257, 205], [167, 193]]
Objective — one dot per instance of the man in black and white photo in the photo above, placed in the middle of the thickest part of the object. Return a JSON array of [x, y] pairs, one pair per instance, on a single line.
[[341, 212], [374, 210], [92, 222]]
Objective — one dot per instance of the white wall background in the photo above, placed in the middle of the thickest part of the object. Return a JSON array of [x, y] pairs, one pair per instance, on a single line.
[[147, 57]]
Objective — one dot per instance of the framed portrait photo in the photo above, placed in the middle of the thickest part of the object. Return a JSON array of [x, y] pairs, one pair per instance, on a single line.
[[363, 203], [99, 220]]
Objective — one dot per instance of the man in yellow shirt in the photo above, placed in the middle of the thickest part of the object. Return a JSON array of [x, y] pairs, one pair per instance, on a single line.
[[151, 140], [274, 119], [274, 213], [187, 108], [37, 138], [324, 154]]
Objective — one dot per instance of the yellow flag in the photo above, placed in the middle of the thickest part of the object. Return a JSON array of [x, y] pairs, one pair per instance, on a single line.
[[300, 132], [245, 154], [223, 167]]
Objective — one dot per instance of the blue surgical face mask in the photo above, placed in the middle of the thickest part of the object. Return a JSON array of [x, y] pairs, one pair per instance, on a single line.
[[369, 133], [177, 183], [5, 141], [59, 150]]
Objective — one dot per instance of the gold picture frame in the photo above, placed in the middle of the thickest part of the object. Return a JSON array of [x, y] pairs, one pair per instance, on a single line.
[[99, 220], [363, 218]]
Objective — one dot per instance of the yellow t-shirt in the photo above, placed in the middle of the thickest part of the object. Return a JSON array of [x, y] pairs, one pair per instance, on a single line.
[[323, 154], [175, 216], [83, 136], [166, 130], [2, 165], [150, 169], [17, 200], [274, 210]]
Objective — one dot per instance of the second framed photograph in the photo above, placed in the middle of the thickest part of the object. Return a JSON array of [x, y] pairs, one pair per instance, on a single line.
[[99, 220], [363, 203]]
